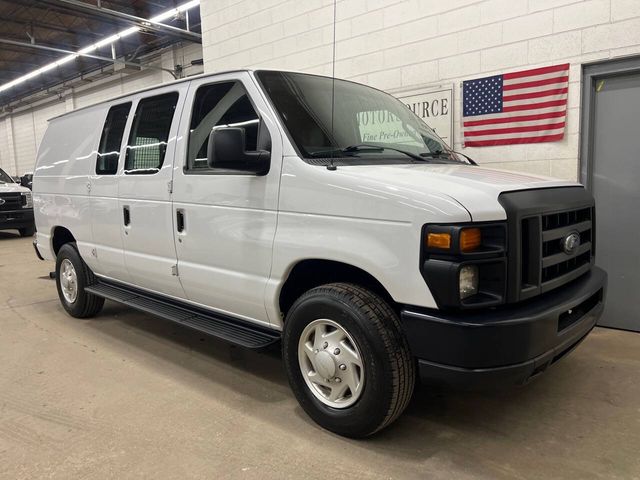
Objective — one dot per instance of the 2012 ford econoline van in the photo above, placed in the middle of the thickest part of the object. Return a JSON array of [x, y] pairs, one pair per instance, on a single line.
[[266, 206]]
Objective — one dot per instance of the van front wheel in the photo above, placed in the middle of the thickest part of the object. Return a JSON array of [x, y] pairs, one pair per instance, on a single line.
[[72, 276], [347, 360]]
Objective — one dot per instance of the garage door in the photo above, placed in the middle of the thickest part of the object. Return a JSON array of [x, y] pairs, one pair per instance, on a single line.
[[615, 181]]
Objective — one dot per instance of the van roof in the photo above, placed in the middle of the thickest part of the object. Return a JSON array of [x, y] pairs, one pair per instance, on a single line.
[[188, 79], [153, 87]]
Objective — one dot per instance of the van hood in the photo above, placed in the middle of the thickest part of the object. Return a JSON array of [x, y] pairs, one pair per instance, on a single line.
[[12, 188], [475, 188]]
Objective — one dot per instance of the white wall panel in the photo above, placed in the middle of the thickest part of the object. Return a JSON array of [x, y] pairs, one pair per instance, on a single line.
[[142, 80], [6, 162], [24, 139], [98, 93]]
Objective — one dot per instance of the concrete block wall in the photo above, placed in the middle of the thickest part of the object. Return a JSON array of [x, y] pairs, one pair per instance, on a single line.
[[21, 132], [392, 44]]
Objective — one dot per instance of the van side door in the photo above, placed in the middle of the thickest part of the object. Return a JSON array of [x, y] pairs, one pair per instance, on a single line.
[[146, 215], [226, 220], [107, 249]]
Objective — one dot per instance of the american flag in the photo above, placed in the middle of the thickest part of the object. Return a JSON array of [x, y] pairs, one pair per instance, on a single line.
[[520, 107]]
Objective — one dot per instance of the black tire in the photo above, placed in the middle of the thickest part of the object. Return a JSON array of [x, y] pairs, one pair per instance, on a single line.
[[27, 231], [389, 367], [86, 304]]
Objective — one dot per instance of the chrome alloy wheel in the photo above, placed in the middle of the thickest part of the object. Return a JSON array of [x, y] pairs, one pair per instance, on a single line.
[[331, 363], [68, 281]]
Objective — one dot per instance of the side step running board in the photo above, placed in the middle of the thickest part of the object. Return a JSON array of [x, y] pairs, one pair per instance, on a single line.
[[238, 332]]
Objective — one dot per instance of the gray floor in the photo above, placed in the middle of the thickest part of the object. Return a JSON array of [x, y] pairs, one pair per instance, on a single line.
[[126, 395]]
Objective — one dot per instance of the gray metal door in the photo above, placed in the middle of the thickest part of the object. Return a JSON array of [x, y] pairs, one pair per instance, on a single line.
[[615, 182]]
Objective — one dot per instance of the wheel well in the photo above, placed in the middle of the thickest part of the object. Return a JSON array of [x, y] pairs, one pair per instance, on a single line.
[[312, 273], [59, 237]]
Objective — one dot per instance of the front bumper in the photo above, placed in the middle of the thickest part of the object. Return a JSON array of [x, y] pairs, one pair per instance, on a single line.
[[507, 344], [15, 219]]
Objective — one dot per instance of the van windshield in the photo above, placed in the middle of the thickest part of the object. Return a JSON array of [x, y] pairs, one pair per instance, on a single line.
[[367, 126], [4, 178]]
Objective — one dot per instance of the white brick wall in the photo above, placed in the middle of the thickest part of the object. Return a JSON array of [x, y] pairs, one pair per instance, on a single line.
[[24, 139], [400, 43], [21, 132], [6, 163]]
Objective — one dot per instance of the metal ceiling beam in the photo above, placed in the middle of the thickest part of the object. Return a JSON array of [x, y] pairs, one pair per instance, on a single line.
[[20, 58], [53, 27], [36, 46], [74, 32], [105, 13]]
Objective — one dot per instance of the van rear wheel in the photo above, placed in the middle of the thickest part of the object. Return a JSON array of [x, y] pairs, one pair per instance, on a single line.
[[72, 276], [347, 360]]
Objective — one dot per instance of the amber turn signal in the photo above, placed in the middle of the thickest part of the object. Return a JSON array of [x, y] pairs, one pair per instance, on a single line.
[[470, 239], [439, 240]]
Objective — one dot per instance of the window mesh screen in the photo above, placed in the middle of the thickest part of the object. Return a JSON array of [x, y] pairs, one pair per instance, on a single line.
[[147, 153], [150, 133]]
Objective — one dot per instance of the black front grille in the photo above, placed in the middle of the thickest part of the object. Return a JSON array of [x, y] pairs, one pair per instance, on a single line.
[[539, 221], [557, 266], [10, 201]]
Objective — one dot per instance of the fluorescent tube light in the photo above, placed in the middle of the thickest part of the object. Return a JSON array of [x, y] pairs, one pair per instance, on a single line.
[[105, 41]]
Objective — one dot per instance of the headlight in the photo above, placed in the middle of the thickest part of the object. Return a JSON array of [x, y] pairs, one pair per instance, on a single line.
[[466, 240], [27, 200], [465, 264], [468, 281], [453, 239]]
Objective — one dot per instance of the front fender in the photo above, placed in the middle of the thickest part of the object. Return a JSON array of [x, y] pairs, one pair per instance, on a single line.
[[387, 250]]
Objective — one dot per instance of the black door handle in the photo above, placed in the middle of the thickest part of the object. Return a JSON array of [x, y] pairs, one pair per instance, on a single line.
[[126, 214], [180, 220]]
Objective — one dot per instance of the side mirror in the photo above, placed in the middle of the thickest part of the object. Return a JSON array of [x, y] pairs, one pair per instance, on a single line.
[[226, 150]]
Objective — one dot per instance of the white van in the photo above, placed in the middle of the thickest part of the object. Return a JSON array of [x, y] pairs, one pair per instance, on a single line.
[[266, 206]]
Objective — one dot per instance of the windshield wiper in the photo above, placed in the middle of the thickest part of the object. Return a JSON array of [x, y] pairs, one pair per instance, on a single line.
[[365, 148], [435, 154], [350, 149], [379, 148], [469, 159], [439, 153]]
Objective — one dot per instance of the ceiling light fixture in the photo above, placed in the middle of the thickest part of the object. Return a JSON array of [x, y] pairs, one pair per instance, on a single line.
[[105, 41]]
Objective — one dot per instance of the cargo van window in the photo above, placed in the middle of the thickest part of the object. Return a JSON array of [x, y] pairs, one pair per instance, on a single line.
[[111, 139], [149, 134], [219, 104]]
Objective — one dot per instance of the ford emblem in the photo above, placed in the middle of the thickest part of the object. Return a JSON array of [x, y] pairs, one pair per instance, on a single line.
[[570, 243]]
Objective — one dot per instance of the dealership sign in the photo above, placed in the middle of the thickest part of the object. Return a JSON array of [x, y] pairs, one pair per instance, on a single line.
[[434, 105]]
